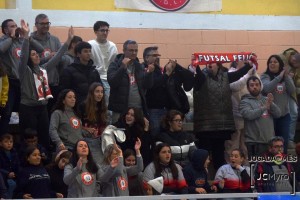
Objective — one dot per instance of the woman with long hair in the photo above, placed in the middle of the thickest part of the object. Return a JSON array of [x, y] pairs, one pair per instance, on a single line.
[[181, 142], [277, 80], [33, 180], [35, 90], [136, 126], [114, 175], [56, 171], [164, 165], [65, 125], [94, 118], [82, 173]]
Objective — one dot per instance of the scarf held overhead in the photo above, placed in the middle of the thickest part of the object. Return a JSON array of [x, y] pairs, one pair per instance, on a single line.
[[208, 58], [41, 85]]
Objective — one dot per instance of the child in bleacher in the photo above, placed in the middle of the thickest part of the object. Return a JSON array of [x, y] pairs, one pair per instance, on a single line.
[[114, 175], [9, 163], [31, 139], [135, 182], [196, 174]]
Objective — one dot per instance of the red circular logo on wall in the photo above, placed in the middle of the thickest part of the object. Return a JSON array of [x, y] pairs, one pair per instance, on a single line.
[[170, 5]]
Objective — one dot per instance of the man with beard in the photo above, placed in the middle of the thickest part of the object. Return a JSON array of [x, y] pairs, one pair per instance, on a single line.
[[258, 112]]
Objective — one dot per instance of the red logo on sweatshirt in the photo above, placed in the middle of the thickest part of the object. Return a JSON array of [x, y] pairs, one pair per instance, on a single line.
[[46, 53], [75, 123], [17, 52], [122, 183], [279, 88], [87, 178]]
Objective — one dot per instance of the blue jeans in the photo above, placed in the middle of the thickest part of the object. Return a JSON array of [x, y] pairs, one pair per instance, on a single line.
[[155, 117], [282, 128], [11, 188], [294, 117]]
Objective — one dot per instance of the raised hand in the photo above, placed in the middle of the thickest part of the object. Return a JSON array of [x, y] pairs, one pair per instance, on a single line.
[[150, 68], [70, 34], [126, 61], [138, 144], [118, 150], [79, 163], [115, 162], [24, 29]]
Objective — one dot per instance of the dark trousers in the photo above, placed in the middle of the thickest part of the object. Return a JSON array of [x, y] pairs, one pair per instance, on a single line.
[[14, 96], [216, 147], [282, 128], [36, 117]]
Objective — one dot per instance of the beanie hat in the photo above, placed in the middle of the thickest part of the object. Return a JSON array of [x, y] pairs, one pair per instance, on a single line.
[[157, 184]]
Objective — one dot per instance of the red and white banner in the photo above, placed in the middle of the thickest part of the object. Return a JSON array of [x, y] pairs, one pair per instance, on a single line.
[[208, 58], [171, 5]]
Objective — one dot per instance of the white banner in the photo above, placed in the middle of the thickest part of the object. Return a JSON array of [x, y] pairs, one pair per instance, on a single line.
[[171, 5]]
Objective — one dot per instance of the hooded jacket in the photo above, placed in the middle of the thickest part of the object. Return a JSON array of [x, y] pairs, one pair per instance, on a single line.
[[79, 77], [195, 174], [259, 126]]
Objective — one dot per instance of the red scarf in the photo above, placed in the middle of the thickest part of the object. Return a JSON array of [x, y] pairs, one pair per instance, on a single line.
[[208, 58]]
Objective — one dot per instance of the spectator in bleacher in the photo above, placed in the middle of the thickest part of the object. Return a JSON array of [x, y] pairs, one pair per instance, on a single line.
[[30, 138], [181, 142], [235, 176], [82, 173], [213, 118], [271, 169], [104, 52], [9, 163], [56, 172], [35, 90], [51, 45], [166, 92], [136, 126], [33, 180], [164, 165], [69, 56], [4, 85], [81, 73], [238, 88], [288, 57], [94, 119], [10, 45], [196, 173], [258, 112], [114, 175], [276, 80], [135, 181], [128, 81], [65, 124]]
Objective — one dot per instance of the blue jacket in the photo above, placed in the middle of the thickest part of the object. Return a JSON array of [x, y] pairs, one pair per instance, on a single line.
[[9, 163]]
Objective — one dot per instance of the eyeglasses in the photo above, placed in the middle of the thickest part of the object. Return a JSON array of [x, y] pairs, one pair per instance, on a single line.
[[154, 55], [104, 30], [44, 23], [177, 120]]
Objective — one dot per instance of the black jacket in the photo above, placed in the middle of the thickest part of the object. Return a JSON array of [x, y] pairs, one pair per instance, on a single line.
[[118, 80], [178, 99], [79, 77]]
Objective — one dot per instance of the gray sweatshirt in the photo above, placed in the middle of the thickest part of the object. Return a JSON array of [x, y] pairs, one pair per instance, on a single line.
[[10, 52], [259, 126], [281, 91], [81, 183], [65, 128], [115, 181], [50, 43], [29, 94]]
